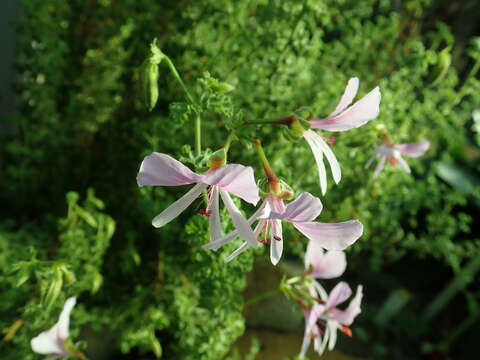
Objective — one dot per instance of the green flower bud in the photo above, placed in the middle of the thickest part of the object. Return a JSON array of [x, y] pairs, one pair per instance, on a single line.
[[54, 289], [217, 159], [150, 75]]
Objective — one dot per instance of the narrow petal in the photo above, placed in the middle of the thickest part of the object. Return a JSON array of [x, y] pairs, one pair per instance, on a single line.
[[178, 206], [214, 245], [305, 345], [332, 329], [163, 170], [413, 149], [365, 109], [305, 207], [325, 149], [338, 295], [236, 179], [214, 218], [332, 160], [64, 319], [347, 97], [276, 244], [347, 316], [239, 221], [331, 236], [47, 342], [403, 164], [327, 265], [318, 155], [379, 168], [237, 252], [369, 162]]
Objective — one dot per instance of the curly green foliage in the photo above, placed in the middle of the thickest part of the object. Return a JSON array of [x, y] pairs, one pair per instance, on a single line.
[[36, 282], [82, 123]]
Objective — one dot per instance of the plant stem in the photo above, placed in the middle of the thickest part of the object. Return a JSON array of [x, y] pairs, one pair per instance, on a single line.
[[272, 178], [179, 79], [198, 134], [228, 142], [459, 282], [191, 100], [261, 296]]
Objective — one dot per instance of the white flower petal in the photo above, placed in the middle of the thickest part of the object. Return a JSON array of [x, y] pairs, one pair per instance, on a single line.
[[47, 342], [332, 160], [403, 164], [237, 252], [64, 319], [347, 97], [215, 227], [318, 155], [178, 206], [239, 221], [379, 168], [276, 243]]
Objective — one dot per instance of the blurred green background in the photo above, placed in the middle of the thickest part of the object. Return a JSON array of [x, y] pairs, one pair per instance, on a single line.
[[74, 130]]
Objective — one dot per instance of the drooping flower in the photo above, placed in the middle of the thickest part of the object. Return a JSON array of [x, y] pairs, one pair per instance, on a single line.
[[393, 153], [301, 213], [328, 316], [343, 118], [52, 341], [162, 170]]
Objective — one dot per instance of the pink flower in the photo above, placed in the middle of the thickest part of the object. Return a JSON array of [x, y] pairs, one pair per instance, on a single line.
[[343, 118], [301, 213], [162, 170], [52, 341], [332, 318], [326, 265], [393, 153]]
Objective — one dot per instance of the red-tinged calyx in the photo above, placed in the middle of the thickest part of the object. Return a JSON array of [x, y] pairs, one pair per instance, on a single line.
[[217, 159]]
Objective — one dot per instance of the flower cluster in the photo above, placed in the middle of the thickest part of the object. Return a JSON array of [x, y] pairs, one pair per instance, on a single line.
[[324, 257]]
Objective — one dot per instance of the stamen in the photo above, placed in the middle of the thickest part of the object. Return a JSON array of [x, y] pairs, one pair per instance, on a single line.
[[345, 329], [392, 160], [330, 141], [277, 238]]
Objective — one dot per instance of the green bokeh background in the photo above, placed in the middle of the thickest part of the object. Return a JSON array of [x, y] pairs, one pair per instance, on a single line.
[[74, 131]]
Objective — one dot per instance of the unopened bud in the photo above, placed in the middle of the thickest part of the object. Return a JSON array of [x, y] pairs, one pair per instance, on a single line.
[[150, 75], [54, 289]]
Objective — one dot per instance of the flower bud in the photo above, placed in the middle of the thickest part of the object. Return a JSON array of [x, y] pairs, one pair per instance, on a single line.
[[150, 75], [54, 289], [217, 159]]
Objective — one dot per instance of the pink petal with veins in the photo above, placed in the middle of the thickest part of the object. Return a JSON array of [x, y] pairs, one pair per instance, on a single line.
[[365, 109], [413, 149], [331, 236], [163, 170], [236, 179]]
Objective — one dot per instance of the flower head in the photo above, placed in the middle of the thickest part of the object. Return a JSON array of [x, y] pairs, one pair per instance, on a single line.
[[162, 170], [393, 153], [343, 118], [301, 213], [330, 318], [52, 341]]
